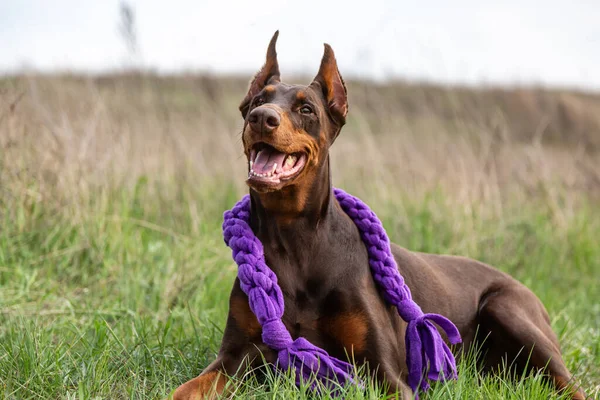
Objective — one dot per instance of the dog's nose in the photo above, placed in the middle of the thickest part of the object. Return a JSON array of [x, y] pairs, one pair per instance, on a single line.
[[264, 119]]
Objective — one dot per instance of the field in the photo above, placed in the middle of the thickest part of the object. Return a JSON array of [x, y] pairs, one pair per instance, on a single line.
[[114, 278]]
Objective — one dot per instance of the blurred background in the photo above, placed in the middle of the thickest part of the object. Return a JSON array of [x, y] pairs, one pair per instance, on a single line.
[[467, 94], [474, 129]]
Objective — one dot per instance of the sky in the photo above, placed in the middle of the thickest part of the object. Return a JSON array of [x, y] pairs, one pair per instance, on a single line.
[[551, 43]]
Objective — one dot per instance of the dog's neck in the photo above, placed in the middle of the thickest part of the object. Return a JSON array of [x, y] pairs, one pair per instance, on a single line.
[[279, 217]]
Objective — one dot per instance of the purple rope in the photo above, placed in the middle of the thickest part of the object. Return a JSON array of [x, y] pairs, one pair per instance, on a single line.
[[426, 351]]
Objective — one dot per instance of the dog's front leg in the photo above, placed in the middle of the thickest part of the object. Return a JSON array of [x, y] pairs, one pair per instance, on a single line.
[[208, 385], [241, 349]]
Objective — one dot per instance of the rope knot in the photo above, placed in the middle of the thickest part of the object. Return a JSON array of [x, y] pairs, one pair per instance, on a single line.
[[409, 310], [275, 335], [312, 361]]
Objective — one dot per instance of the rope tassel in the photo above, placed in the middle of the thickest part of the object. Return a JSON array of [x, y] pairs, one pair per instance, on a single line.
[[427, 355]]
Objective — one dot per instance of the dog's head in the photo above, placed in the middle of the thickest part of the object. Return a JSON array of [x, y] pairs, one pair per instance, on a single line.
[[288, 128]]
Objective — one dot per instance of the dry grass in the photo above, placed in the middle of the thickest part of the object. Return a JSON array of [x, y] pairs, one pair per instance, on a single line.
[[68, 135]]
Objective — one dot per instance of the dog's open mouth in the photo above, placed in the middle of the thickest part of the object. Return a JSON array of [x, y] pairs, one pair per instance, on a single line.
[[271, 166]]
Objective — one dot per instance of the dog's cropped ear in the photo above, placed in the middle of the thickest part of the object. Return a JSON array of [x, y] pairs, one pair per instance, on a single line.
[[268, 74], [333, 86]]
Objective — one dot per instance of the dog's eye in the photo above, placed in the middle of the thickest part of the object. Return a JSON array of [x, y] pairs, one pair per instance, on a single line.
[[305, 109], [258, 102]]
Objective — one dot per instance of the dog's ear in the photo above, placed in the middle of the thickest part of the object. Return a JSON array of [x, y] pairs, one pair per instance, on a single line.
[[333, 86], [268, 74]]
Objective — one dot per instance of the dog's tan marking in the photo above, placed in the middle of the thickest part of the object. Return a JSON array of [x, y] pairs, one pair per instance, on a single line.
[[244, 317], [300, 95], [350, 329], [205, 386], [269, 88]]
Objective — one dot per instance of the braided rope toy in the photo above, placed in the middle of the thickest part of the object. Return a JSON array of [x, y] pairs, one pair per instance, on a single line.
[[426, 352]]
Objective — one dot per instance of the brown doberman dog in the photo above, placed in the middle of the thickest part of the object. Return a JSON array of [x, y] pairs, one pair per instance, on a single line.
[[321, 263]]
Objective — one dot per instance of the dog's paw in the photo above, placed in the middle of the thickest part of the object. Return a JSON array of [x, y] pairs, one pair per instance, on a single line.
[[206, 386]]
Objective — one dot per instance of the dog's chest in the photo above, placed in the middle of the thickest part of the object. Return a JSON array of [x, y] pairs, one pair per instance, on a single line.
[[325, 294]]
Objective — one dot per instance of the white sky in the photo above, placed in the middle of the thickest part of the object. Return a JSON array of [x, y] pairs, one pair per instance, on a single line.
[[458, 41]]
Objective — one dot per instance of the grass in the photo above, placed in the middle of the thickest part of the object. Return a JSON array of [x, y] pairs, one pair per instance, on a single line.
[[114, 279]]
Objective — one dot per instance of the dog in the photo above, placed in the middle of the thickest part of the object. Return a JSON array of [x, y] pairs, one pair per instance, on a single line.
[[321, 262]]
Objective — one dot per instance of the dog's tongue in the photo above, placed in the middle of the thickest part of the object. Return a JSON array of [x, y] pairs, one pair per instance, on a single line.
[[266, 158]]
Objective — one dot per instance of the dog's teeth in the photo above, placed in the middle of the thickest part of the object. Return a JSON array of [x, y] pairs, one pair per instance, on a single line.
[[274, 168], [290, 161], [251, 164]]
